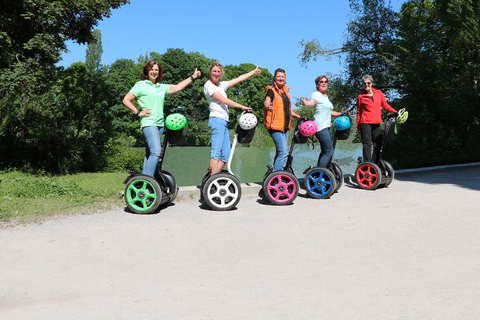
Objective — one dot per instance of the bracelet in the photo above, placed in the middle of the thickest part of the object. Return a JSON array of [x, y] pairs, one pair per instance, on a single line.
[[191, 77], [138, 112]]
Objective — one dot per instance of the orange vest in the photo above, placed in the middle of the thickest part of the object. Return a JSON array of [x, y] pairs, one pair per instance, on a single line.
[[274, 120]]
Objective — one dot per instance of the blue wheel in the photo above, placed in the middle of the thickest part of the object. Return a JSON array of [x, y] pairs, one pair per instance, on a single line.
[[320, 183]]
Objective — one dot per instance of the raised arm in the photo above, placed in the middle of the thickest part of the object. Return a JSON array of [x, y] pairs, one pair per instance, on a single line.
[[174, 88], [309, 103], [244, 77], [218, 96]]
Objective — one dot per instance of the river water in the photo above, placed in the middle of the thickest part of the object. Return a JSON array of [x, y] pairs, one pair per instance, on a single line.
[[189, 164]]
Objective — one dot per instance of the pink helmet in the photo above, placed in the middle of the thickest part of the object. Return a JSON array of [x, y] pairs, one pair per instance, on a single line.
[[308, 128]]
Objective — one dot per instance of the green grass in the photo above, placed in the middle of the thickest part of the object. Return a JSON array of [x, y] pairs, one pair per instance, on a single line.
[[26, 198]]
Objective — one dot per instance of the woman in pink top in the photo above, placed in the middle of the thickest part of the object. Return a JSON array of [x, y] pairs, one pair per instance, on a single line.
[[369, 117]]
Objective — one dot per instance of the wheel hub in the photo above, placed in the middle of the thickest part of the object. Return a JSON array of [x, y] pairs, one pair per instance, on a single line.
[[223, 192], [141, 195], [281, 188]]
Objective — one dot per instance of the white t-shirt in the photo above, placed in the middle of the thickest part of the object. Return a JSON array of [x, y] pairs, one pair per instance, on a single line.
[[217, 109], [322, 111]]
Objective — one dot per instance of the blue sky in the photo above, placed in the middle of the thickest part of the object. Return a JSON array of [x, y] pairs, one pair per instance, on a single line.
[[265, 33]]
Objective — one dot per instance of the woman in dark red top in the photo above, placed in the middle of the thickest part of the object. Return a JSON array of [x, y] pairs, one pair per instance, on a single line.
[[369, 117]]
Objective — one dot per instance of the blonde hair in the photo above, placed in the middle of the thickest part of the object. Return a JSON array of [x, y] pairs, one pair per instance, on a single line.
[[215, 64]]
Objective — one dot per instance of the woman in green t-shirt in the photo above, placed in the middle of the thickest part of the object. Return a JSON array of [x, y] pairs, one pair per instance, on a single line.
[[150, 95]]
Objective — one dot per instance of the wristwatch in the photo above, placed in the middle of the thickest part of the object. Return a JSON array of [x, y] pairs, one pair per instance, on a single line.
[[138, 112]]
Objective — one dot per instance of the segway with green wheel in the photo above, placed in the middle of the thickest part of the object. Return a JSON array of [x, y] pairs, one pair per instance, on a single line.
[[144, 194], [379, 172], [222, 191]]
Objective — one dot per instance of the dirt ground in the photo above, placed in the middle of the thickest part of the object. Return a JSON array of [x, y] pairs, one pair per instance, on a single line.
[[409, 251]]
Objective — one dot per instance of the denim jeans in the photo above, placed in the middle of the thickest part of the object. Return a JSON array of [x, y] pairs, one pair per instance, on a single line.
[[153, 135], [281, 154], [371, 133], [220, 139], [326, 146]]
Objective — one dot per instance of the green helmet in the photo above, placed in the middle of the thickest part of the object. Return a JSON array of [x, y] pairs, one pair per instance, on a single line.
[[175, 121], [402, 116]]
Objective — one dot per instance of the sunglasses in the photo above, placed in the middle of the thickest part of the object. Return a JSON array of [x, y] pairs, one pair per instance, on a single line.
[[323, 81], [368, 82]]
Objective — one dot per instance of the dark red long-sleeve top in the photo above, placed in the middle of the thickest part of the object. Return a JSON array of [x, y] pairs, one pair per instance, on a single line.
[[368, 108]]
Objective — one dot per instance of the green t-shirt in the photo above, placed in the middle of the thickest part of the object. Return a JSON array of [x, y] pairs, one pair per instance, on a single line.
[[150, 96]]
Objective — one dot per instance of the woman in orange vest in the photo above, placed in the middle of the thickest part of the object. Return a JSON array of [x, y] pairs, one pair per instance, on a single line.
[[277, 116]]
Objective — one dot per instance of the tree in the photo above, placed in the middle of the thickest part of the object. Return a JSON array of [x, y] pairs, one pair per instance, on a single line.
[[250, 93], [32, 37], [93, 54], [438, 64]]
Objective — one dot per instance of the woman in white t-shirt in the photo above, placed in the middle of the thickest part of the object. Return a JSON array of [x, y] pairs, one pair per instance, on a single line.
[[215, 92], [322, 115]]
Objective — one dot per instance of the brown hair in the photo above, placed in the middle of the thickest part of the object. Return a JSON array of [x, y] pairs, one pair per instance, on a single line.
[[148, 67], [318, 80]]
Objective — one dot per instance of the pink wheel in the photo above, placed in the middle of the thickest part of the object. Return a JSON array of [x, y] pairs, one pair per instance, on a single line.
[[281, 187]]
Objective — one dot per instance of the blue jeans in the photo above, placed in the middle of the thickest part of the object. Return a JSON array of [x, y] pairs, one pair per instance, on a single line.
[[220, 139], [326, 146], [281, 154], [152, 150]]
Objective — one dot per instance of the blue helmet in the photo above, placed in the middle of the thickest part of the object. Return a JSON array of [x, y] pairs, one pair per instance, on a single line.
[[341, 123]]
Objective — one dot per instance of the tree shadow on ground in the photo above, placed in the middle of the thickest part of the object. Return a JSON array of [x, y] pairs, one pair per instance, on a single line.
[[463, 176]]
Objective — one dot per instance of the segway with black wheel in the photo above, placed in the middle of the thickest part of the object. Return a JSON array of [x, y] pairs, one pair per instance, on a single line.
[[281, 187], [222, 191], [144, 194], [320, 182], [379, 172]]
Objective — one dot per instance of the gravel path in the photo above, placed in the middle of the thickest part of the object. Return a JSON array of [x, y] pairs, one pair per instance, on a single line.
[[410, 251]]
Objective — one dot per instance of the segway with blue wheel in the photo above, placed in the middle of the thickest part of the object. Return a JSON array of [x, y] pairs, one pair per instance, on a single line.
[[144, 194], [222, 191], [281, 187], [379, 172], [320, 182]]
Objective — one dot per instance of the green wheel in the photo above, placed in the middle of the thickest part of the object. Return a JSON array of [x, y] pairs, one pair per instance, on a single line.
[[143, 194]]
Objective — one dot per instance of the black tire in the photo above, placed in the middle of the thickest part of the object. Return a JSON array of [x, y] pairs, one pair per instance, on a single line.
[[281, 187], [143, 194], [368, 175], [320, 183], [222, 191], [338, 173], [389, 173], [171, 187]]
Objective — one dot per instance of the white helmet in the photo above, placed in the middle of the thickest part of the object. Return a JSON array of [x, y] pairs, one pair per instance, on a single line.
[[247, 121]]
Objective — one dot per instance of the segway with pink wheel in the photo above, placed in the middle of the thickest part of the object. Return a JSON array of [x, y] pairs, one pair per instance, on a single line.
[[379, 172], [222, 191], [281, 187]]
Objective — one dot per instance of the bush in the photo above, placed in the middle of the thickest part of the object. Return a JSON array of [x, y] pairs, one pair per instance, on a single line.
[[120, 154]]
